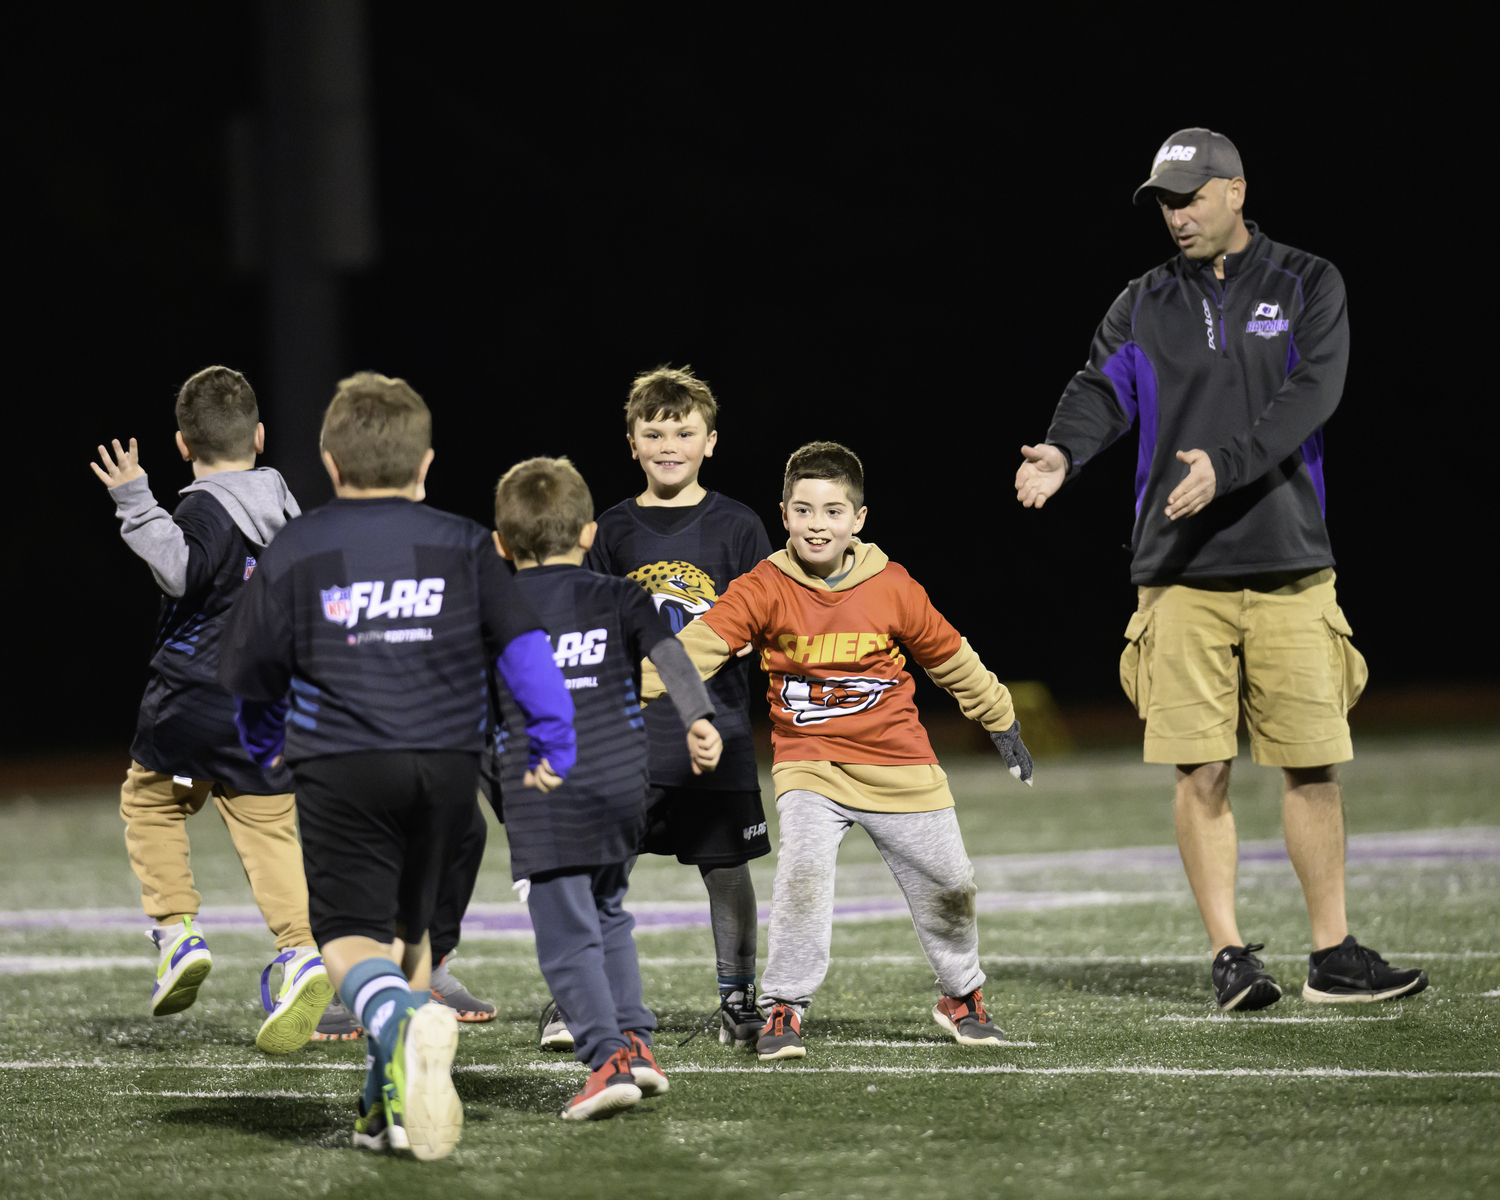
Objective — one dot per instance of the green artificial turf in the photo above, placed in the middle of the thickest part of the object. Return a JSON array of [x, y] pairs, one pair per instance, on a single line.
[[1112, 999]]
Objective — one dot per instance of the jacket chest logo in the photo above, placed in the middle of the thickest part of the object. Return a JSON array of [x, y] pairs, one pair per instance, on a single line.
[[1268, 321]]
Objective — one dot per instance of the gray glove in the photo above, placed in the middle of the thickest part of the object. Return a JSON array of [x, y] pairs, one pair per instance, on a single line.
[[1013, 751]]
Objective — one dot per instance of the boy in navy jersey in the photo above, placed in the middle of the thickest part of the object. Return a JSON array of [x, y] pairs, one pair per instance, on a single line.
[[572, 850], [186, 748], [377, 618], [684, 544]]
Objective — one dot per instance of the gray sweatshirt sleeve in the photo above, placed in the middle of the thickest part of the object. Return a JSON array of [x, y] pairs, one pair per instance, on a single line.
[[681, 679], [149, 530]]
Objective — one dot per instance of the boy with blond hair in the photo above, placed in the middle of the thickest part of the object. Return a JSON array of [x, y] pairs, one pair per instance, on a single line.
[[833, 620], [571, 850], [186, 748], [381, 619], [683, 544]]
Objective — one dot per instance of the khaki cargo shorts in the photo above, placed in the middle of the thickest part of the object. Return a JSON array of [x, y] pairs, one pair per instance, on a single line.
[[1193, 655]]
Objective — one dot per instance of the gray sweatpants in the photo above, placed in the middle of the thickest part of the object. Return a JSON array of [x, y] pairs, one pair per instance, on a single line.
[[925, 853]]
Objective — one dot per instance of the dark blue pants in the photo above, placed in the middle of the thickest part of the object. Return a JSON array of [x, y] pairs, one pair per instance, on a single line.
[[585, 946]]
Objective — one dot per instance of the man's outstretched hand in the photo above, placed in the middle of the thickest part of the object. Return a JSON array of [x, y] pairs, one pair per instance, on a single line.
[[1040, 475], [1013, 751], [123, 466], [1193, 493]]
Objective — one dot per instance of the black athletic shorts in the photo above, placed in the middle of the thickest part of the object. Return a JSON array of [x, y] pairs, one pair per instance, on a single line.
[[706, 828], [379, 828]]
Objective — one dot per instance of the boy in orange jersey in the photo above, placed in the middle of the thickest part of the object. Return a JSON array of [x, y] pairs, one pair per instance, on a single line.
[[834, 620]]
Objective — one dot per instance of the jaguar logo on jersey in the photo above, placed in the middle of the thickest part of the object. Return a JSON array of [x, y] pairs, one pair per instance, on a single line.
[[1268, 321], [812, 701], [408, 598], [678, 589]]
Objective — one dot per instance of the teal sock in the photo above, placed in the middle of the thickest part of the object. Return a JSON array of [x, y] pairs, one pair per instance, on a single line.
[[377, 994]]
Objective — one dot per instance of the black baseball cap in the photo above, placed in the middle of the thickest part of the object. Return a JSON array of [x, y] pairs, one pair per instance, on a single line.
[[1189, 159]]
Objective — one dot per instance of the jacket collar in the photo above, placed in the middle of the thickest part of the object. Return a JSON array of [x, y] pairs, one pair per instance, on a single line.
[[1234, 264], [869, 561]]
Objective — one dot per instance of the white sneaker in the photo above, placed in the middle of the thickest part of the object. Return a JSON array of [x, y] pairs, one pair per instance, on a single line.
[[183, 965], [305, 993]]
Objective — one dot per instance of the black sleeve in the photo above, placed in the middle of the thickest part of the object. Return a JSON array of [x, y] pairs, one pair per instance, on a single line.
[[754, 545], [643, 623], [1092, 412], [503, 611], [209, 533], [258, 645], [600, 556], [1301, 406]]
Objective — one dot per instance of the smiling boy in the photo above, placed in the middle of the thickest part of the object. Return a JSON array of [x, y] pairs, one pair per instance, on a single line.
[[833, 620], [684, 544]]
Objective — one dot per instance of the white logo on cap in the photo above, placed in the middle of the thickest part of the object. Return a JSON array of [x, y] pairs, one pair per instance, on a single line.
[[1174, 154]]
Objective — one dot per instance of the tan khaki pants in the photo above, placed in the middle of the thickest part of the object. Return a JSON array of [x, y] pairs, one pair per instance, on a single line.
[[1195, 655], [264, 830]]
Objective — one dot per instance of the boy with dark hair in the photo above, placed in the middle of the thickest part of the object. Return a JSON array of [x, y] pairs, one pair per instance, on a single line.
[[571, 851], [378, 618], [186, 748], [683, 544], [833, 620]]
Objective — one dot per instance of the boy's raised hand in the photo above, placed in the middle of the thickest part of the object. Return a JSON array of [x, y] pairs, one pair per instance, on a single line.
[[124, 466], [704, 745]]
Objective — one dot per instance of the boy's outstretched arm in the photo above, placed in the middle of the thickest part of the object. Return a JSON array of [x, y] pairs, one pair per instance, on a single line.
[[983, 698], [684, 686], [706, 645], [527, 666]]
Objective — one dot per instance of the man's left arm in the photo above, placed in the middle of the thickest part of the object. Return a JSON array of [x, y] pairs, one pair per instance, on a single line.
[[1300, 407]]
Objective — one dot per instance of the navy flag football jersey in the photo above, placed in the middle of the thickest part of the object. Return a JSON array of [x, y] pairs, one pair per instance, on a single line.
[[186, 722], [684, 558], [384, 618], [600, 628]]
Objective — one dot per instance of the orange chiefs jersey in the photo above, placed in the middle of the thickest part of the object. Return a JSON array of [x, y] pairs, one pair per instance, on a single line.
[[839, 688]]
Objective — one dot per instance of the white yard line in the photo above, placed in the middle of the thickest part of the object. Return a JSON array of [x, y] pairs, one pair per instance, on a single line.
[[570, 1066], [924, 1045], [240, 1095]]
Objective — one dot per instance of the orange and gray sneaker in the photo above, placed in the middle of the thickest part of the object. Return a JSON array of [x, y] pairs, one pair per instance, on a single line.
[[448, 992], [610, 1089], [781, 1036], [965, 1018], [648, 1076], [337, 1024]]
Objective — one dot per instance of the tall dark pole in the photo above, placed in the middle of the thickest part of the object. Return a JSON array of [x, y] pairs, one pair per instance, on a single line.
[[319, 216]]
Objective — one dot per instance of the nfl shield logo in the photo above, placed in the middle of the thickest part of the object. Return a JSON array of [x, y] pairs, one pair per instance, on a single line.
[[336, 605], [249, 566]]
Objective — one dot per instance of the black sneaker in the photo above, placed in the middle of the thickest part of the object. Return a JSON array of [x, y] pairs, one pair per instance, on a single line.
[[1241, 981], [552, 1029], [740, 1021], [1353, 974]]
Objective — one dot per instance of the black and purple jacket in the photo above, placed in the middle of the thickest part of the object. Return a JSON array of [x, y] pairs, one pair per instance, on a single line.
[[1247, 368]]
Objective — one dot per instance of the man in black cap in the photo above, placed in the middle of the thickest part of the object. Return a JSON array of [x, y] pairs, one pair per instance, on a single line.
[[1232, 356]]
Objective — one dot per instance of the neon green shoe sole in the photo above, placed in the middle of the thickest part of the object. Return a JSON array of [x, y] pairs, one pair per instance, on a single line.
[[295, 1014]]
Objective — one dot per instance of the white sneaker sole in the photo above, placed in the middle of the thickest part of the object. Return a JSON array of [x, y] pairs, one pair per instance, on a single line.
[[296, 1015], [1313, 996], [961, 1038], [651, 1083], [613, 1099], [784, 1052], [433, 1119], [178, 988], [557, 1038]]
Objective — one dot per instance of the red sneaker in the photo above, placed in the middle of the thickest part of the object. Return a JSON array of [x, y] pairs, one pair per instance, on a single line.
[[648, 1076], [781, 1037], [610, 1089], [965, 1018]]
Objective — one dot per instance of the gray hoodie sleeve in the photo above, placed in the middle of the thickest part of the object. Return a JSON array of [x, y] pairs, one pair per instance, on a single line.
[[149, 530], [681, 679]]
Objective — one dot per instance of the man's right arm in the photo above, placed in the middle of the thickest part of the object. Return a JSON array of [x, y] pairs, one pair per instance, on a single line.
[[1097, 407]]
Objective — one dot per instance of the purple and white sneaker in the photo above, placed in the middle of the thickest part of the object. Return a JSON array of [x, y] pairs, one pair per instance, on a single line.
[[183, 965], [305, 993]]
